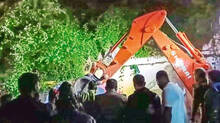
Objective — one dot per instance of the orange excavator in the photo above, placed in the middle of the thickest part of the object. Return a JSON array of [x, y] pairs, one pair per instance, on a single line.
[[184, 58]]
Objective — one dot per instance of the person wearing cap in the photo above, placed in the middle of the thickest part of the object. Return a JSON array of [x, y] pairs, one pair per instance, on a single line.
[[110, 104]]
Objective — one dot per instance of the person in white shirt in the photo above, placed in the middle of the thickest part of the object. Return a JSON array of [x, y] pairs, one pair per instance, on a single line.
[[173, 100]]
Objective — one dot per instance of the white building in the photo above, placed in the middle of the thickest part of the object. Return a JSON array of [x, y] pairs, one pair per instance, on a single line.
[[211, 51]]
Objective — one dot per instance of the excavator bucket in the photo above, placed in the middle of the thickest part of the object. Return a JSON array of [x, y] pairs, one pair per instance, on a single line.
[[82, 84]]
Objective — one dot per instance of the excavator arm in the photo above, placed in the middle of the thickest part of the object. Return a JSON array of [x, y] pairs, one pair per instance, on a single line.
[[142, 29]]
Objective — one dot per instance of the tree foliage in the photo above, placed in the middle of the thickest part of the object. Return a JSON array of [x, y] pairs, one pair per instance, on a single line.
[[45, 38]]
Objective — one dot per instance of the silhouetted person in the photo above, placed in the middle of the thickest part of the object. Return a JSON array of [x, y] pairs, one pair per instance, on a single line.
[[51, 107], [88, 100], [174, 110], [143, 105], [67, 107], [110, 103], [212, 98], [200, 88], [5, 99], [25, 108]]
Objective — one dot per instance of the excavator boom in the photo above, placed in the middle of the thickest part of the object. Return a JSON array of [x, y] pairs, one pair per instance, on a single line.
[[148, 26]]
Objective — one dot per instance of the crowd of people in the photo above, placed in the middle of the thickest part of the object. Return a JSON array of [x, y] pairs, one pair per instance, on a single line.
[[143, 106]]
